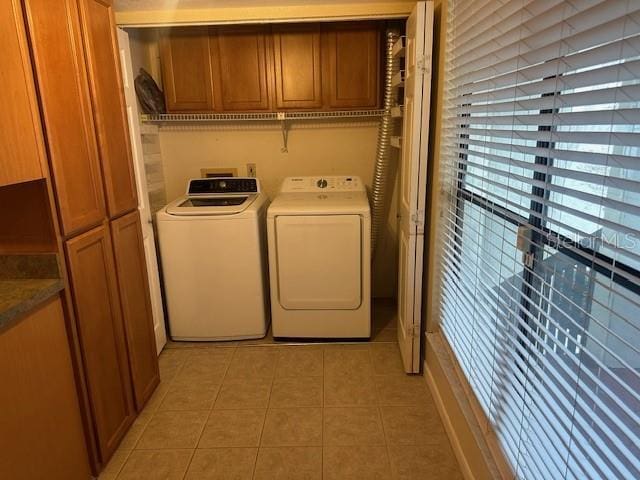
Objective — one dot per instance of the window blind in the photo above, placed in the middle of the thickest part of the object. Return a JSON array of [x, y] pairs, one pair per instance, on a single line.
[[540, 234]]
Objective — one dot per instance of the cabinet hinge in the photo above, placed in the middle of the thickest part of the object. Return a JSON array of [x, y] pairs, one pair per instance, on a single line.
[[417, 218], [424, 65], [413, 331]]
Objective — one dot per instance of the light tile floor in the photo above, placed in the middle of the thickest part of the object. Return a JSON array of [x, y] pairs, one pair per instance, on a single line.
[[269, 411]]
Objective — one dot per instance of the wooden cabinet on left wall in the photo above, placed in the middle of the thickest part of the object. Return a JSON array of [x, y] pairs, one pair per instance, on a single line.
[[85, 153], [21, 148], [42, 434], [105, 79], [98, 315], [56, 42]]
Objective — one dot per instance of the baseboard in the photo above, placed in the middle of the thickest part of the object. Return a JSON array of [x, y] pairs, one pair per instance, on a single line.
[[476, 449], [448, 425]]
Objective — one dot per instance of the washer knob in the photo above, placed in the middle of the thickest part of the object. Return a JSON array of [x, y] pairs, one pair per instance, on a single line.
[[322, 183]]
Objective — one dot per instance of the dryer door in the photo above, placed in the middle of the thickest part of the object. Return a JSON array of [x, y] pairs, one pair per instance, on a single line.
[[319, 261]]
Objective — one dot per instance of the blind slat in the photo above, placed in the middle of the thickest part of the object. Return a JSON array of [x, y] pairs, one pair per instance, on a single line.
[[626, 48], [545, 50]]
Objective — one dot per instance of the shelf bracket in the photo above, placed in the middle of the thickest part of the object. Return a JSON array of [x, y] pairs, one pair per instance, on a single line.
[[285, 131]]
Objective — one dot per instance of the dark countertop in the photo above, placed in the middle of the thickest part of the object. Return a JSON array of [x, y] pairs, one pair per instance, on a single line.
[[25, 282], [22, 295]]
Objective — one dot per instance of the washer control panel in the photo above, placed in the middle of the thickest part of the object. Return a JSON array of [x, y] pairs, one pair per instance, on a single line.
[[223, 185], [324, 184]]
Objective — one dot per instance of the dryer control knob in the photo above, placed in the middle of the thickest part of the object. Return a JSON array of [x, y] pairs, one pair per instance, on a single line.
[[322, 183]]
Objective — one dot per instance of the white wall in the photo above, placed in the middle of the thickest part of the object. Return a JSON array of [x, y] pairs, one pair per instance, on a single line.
[[314, 149]]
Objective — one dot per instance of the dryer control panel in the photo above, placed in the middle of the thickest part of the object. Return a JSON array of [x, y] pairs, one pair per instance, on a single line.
[[323, 184]]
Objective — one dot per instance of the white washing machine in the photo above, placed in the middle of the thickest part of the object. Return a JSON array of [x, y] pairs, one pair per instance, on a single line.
[[213, 255], [319, 231]]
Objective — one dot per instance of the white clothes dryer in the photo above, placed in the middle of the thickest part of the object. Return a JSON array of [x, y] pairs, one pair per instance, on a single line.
[[319, 237], [214, 265]]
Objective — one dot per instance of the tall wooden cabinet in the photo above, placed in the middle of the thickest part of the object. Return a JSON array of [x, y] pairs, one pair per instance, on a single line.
[[77, 73], [54, 30], [109, 109], [136, 305], [97, 307], [21, 148]]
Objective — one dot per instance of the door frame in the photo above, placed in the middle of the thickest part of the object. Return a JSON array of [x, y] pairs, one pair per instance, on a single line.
[[144, 206], [412, 213]]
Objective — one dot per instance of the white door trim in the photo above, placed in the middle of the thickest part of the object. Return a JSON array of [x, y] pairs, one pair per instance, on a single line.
[[143, 196]]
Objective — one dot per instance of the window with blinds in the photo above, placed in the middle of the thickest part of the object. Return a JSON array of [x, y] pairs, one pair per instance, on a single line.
[[540, 268]]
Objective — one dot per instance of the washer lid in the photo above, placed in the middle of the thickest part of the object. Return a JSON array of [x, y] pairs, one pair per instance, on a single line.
[[210, 205]]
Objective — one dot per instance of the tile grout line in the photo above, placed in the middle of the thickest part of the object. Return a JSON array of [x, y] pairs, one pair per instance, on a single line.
[[379, 410], [323, 407], [186, 470], [204, 425], [155, 411], [124, 462], [153, 414], [213, 404], [264, 421]]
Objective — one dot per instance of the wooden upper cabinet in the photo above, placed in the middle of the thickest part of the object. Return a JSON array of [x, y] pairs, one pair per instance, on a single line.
[[102, 341], [297, 67], [103, 62], [239, 58], [351, 55], [186, 69], [270, 68], [56, 44], [133, 283], [21, 149]]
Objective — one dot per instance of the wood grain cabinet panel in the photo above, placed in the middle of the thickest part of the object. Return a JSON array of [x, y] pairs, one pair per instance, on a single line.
[[332, 66], [42, 434], [102, 341], [186, 69], [296, 52], [58, 57], [136, 305], [103, 62], [239, 57], [351, 53], [21, 147]]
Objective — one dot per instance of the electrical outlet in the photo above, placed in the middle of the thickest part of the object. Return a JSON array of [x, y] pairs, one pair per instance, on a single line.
[[251, 169]]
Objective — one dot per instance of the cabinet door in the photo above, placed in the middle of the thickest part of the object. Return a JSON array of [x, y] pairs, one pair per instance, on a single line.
[[103, 64], [42, 434], [351, 54], [102, 342], [136, 305], [186, 70], [240, 65], [21, 148], [54, 31], [297, 67]]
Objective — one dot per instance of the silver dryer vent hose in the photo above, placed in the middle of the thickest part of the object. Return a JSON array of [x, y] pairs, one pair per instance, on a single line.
[[383, 153]]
